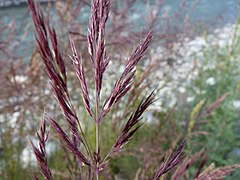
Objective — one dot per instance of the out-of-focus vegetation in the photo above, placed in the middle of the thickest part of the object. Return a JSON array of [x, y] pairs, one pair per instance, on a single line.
[[219, 79], [208, 110]]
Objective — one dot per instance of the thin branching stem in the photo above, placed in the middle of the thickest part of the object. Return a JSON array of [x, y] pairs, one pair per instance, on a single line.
[[85, 142]]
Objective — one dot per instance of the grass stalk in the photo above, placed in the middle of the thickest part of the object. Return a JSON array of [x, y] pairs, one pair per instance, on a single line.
[[97, 132]]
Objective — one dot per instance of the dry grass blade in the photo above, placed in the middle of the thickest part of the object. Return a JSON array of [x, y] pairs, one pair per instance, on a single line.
[[124, 83], [201, 165], [219, 173], [171, 162], [216, 103], [40, 153]]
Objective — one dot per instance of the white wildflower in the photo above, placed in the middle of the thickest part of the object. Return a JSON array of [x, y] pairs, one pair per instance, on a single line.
[[236, 104], [211, 81], [181, 89], [190, 99]]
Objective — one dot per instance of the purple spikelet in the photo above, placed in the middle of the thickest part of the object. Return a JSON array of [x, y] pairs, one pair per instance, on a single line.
[[79, 68], [68, 143], [96, 40], [124, 83], [174, 159], [40, 153], [133, 124], [55, 68]]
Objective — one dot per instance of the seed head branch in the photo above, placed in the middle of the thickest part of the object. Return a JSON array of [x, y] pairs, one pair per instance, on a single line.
[[40, 153], [69, 144], [96, 40], [133, 124], [55, 68], [174, 159], [79, 68], [124, 83]]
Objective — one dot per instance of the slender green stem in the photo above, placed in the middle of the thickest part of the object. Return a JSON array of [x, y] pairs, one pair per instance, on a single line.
[[107, 156], [97, 144], [85, 143], [97, 137], [97, 128]]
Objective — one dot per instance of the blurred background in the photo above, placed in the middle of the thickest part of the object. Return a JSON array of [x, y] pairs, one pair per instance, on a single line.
[[194, 60]]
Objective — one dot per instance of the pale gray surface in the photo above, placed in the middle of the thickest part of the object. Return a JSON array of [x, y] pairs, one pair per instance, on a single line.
[[6, 3]]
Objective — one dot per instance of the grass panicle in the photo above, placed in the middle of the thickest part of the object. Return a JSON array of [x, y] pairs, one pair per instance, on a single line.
[[124, 83], [175, 158], [67, 142], [79, 68], [55, 68], [49, 50], [40, 153], [133, 124], [96, 40], [219, 173]]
